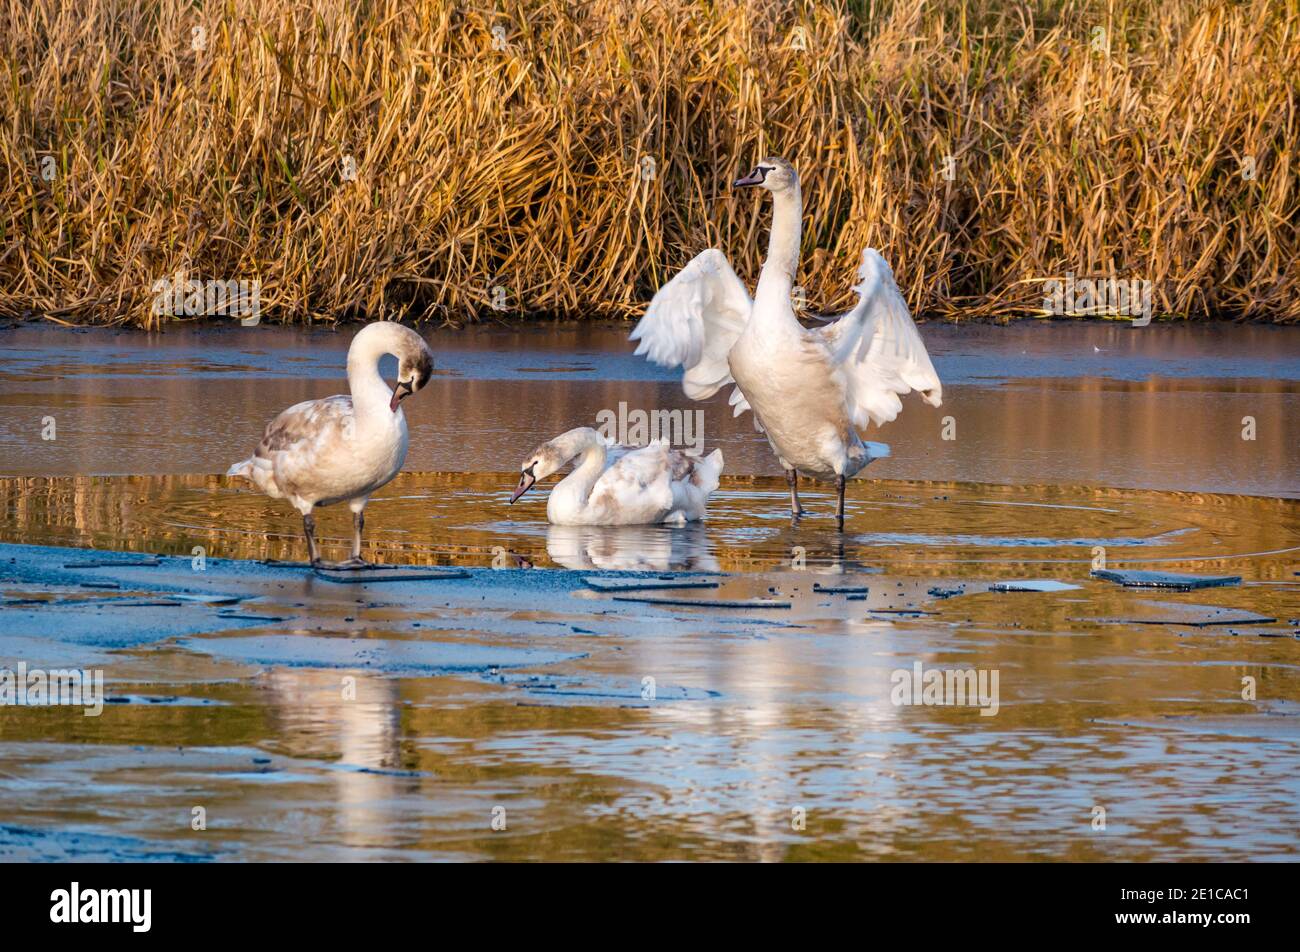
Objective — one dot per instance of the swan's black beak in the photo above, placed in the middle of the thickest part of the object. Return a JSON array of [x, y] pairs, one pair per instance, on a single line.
[[402, 389], [755, 177], [526, 482]]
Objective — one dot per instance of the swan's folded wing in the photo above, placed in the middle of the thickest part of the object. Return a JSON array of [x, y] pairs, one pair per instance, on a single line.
[[877, 350], [616, 451], [637, 487], [308, 429], [693, 321]]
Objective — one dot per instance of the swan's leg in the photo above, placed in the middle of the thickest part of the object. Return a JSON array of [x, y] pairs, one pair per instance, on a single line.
[[356, 562], [358, 526], [839, 510], [309, 529], [792, 477]]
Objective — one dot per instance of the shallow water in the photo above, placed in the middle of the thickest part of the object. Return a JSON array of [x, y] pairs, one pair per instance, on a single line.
[[525, 690]]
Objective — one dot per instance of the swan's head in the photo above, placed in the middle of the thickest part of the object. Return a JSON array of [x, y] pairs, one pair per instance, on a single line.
[[552, 456], [541, 462], [773, 174], [414, 364]]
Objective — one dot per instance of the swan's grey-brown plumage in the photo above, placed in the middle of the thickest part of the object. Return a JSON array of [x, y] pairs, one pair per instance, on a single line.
[[616, 485], [810, 390], [343, 448]]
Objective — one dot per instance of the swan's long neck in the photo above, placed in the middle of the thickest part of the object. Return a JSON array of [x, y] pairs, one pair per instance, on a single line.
[[370, 394], [777, 279], [575, 489]]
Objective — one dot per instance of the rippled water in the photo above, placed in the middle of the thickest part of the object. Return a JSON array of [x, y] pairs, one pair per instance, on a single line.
[[929, 529], [524, 690]]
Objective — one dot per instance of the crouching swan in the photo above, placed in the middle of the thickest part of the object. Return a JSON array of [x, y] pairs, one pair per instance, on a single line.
[[620, 485], [341, 449], [810, 390]]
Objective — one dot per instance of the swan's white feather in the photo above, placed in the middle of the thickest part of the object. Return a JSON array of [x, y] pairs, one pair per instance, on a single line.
[[615, 485], [742, 406], [877, 349], [694, 320], [314, 453], [645, 485]]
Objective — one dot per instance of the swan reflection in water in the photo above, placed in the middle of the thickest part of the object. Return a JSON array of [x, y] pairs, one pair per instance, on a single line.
[[632, 548]]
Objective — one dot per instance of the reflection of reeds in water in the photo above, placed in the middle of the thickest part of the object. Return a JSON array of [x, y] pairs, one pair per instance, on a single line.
[[934, 529], [506, 145]]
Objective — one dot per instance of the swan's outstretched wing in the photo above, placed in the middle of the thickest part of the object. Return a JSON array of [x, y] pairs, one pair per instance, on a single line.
[[878, 350], [694, 320]]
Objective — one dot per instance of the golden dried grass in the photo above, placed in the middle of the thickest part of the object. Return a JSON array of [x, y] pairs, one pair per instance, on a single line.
[[520, 167]]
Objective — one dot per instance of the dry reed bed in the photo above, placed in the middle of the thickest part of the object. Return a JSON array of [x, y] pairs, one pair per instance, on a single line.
[[505, 147]]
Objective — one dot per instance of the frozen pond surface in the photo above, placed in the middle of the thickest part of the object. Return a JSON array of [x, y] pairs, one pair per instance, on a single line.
[[1159, 407], [320, 720]]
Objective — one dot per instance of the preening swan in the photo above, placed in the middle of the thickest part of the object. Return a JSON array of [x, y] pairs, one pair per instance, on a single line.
[[810, 390], [341, 449], [620, 485]]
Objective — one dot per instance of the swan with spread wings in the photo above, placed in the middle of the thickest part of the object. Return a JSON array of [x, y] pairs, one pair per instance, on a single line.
[[810, 390]]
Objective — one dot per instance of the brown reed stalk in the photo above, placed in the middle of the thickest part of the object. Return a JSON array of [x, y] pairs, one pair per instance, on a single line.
[[503, 146]]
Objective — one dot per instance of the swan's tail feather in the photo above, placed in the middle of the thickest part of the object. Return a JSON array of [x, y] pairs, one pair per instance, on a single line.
[[708, 470]]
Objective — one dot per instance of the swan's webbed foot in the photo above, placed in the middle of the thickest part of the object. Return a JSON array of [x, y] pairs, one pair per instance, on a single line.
[[355, 563]]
